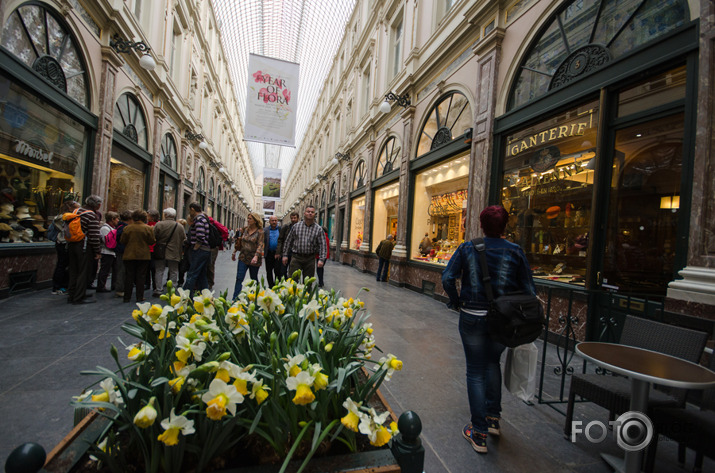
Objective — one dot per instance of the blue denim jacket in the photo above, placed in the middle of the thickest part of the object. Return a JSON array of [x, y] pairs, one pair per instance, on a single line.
[[508, 268]]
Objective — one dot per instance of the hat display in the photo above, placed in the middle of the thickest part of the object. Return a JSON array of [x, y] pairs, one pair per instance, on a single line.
[[39, 227], [23, 213], [6, 210], [4, 227]]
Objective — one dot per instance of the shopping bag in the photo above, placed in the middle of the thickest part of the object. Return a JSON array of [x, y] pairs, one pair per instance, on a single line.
[[520, 371]]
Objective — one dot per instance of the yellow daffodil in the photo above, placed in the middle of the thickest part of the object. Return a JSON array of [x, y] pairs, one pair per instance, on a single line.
[[204, 303], [138, 351], [227, 370], [136, 313], [382, 436], [268, 301], [259, 392], [242, 380], [392, 364], [173, 426], [301, 385], [293, 365], [146, 415], [310, 311], [352, 419], [371, 425], [110, 393], [187, 348], [154, 312], [177, 383], [221, 397]]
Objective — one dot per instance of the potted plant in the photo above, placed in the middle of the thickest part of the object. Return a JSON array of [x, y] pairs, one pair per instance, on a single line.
[[282, 373]]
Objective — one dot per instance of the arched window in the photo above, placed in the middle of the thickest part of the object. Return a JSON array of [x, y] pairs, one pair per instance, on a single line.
[[322, 200], [219, 195], [333, 193], [359, 180], [41, 39], [585, 35], [129, 119], [389, 159], [211, 188], [448, 119], [201, 182], [168, 151]]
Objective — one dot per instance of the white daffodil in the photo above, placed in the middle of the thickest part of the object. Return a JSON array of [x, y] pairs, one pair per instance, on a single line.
[[293, 365], [138, 351], [110, 393], [301, 384], [391, 364], [259, 391], [227, 370], [236, 321], [371, 425], [354, 415], [221, 397], [310, 311], [173, 426], [242, 378], [187, 348], [204, 303]]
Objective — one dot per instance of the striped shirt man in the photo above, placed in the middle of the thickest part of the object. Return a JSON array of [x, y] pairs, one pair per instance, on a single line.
[[199, 232], [90, 226]]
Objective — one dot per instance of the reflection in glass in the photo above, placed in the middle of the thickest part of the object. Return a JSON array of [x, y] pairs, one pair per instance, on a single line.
[[449, 118], [357, 223]]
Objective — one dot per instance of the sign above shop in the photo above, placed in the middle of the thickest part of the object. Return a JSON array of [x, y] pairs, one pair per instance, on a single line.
[[547, 136], [25, 149]]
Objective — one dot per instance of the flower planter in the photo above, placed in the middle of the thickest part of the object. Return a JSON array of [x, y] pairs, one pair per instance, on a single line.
[[70, 454]]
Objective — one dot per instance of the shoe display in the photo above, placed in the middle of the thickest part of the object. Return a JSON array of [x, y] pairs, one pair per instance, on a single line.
[[477, 440], [85, 301], [493, 423]]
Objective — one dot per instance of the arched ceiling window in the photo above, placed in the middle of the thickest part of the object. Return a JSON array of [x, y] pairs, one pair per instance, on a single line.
[[389, 158], [168, 151], [129, 119], [585, 35], [40, 38], [359, 180], [201, 181], [333, 193], [448, 119]]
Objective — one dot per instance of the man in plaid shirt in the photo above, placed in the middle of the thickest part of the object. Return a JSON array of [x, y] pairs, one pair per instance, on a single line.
[[305, 240]]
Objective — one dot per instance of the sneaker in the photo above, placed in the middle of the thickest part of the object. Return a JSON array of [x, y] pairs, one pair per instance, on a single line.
[[60, 292], [477, 440], [156, 293], [493, 423], [118, 294]]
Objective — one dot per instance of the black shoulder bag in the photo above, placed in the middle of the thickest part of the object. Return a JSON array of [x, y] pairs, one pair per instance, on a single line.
[[513, 319], [160, 248]]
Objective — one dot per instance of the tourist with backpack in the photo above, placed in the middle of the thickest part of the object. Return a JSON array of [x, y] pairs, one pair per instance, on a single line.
[[510, 273], [199, 251], [249, 245], [218, 234], [170, 237], [81, 231], [61, 276], [108, 262], [136, 238]]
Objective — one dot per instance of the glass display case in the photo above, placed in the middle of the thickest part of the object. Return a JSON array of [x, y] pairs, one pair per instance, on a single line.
[[386, 202], [357, 223]]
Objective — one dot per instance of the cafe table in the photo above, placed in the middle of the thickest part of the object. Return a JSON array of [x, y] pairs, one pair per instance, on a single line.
[[643, 368]]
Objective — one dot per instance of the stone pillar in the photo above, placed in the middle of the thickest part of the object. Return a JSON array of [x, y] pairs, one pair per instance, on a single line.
[[695, 293], [347, 171], [367, 221], [181, 167], [111, 62], [400, 250], [488, 52], [153, 191]]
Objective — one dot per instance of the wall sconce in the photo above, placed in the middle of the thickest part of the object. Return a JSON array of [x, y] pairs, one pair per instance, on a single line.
[[319, 178], [670, 202], [121, 46], [191, 137], [402, 100], [341, 156], [222, 170]]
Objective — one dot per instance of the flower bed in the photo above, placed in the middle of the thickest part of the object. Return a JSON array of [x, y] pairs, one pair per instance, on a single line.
[[274, 376]]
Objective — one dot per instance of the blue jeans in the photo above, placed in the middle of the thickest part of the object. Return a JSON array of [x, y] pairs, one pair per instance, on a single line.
[[483, 370], [241, 275], [382, 264], [196, 276]]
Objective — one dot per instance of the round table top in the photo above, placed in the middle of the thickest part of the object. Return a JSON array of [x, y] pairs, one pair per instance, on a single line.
[[647, 365]]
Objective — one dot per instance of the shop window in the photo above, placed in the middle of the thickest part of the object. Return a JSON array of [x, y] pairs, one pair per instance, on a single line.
[[322, 200], [168, 152], [333, 194], [360, 175], [129, 119], [586, 35], [547, 190], [331, 224], [127, 180], [389, 158], [644, 206], [384, 215], [658, 90], [357, 223], [448, 119], [211, 188], [42, 41], [439, 210], [42, 164]]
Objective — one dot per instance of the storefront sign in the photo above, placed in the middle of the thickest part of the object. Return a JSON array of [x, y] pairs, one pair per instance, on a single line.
[[547, 136], [26, 149]]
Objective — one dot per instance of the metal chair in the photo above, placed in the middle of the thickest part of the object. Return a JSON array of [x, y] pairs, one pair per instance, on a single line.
[[691, 428], [614, 392]]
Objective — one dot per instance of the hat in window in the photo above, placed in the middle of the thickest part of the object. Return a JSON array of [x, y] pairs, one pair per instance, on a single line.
[[23, 213], [5, 211]]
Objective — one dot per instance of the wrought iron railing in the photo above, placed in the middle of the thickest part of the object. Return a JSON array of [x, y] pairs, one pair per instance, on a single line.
[[576, 314]]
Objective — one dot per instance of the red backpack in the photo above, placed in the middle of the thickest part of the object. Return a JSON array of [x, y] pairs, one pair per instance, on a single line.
[[110, 241]]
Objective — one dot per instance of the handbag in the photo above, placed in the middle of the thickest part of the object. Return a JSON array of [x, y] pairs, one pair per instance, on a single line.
[[512, 319], [520, 371], [160, 248]]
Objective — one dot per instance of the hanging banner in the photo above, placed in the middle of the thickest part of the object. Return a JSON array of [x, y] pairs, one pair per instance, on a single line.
[[271, 100], [271, 184]]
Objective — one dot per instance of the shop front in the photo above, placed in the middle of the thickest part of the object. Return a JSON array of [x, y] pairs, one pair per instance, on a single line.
[[168, 177], [596, 174], [357, 222], [46, 137]]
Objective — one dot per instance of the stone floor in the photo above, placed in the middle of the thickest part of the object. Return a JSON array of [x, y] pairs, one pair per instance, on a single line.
[[45, 343]]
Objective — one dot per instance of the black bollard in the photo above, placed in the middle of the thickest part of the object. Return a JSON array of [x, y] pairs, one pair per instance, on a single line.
[[27, 458], [406, 446]]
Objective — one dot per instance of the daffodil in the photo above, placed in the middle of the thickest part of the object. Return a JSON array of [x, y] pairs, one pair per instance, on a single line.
[[259, 391], [371, 425], [391, 364], [187, 348], [227, 370], [293, 367], [269, 301], [204, 303], [242, 380], [146, 415], [154, 312], [310, 311], [301, 384], [221, 397], [173, 426], [352, 418], [109, 393], [321, 379], [138, 351]]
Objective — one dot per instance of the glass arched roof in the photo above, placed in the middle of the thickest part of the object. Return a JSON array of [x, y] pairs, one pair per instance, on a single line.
[[306, 32]]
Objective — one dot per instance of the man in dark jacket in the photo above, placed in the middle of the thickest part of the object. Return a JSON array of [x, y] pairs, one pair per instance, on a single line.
[[271, 234], [384, 252], [84, 253], [285, 229]]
